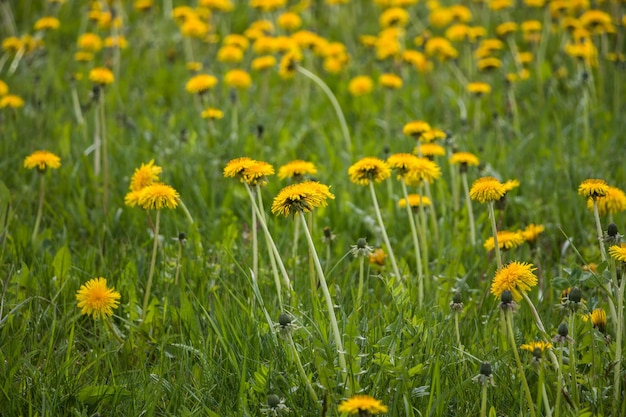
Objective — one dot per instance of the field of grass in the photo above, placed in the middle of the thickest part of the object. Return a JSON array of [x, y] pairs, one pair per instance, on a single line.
[[361, 295]]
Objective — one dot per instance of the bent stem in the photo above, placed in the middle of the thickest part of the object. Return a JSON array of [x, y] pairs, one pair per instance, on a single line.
[[40, 207], [494, 230], [113, 331], [327, 297], [342, 120], [155, 246], [301, 371], [416, 245], [529, 398], [394, 265]]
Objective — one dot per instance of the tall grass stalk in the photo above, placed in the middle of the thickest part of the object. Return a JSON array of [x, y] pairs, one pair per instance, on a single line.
[[494, 230], [155, 246], [416, 246], [379, 217], [529, 398]]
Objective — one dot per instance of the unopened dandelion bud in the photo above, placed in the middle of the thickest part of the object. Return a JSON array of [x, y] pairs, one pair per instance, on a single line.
[[506, 297], [562, 330], [612, 231], [284, 320], [485, 369], [273, 400], [575, 295], [537, 353], [361, 243], [457, 298]]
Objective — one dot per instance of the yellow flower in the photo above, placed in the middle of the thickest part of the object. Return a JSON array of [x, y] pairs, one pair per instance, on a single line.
[[541, 345], [101, 75], [488, 64], [96, 299], [618, 252], [230, 54], [403, 162], [267, 5], [506, 28], [478, 89], [143, 5], [236, 167], [11, 101], [593, 188], [301, 197], [394, 17], [378, 257], [532, 231], [360, 85], [432, 134], [289, 64], [83, 56], [487, 189], [296, 169], [422, 170], [598, 319], [430, 150], [237, 40], [263, 62], [510, 185], [289, 21], [390, 81], [157, 196], [115, 42], [200, 83], [361, 404], [90, 42], [517, 277], [4, 88], [415, 200], [614, 201], [506, 240], [193, 27], [12, 44], [221, 5], [416, 128], [47, 23], [238, 78], [145, 175], [42, 160], [464, 158], [369, 169], [441, 48], [212, 114]]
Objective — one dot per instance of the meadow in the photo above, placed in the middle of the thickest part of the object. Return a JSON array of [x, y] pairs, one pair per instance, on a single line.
[[312, 208]]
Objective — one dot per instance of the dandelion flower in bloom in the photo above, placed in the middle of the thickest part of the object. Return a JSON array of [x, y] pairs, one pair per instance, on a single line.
[[288, 65], [430, 150], [618, 252], [416, 128], [157, 196], [296, 169], [478, 89], [289, 21], [516, 277], [11, 101], [301, 197], [96, 299], [369, 169], [47, 23], [4, 88], [238, 78], [42, 160], [487, 189], [200, 83], [230, 54], [423, 170], [263, 62], [541, 345], [593, 188], [464, 159], [415, 200], [90, 42], [257, 172], [145, 175], [102, 76], [506, 240], [212, 114], [359, 404], [614, 201], [236, 167], [510, 185], [598, 319], [360, 85], [402, 162], [532, 231], [390, 81]]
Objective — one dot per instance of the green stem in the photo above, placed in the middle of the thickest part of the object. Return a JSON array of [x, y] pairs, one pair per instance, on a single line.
[[40, 206], [596, 215], [359, 294], [112, 330], [618, 348], [572, 359], [178, 259], [470, 211], [329, 302], [255, 245], [494, 230], [301, 371], [483, 401], [560, 385], [155, 246], [105, 154], [342, 120], [544, 393], [421, 227], [394, 265], [529, 398], [416, 245], [456, 331], [433, 214]]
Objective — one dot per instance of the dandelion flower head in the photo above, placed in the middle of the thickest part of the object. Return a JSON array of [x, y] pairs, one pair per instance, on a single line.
[[96, 299], [541, 345], [423, 170], [415, 200], [42, 160], [517, 277], [102, 76], [301, 197], [157, 196], [487, 189], [593, 188], [430, 150], [402, 162], [145, 175], [613, 202], [532, 231], [362, 403], [360, 85], [369, 169], [296, 169], [200, 83], [257, 172], [212, 113], [598, 319], [238, 78], [464, 158], [11, 101], [416, 128], [618, 252], [506, 240]]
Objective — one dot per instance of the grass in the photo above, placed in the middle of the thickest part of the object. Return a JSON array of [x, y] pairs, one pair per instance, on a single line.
[[211, 345]]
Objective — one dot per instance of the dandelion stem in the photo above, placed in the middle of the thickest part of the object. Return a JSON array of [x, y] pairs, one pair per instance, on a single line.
[[301, 371], [572, 359], [433, 214], [470, 211], [596, 215], [155, 246], [618, 347], [255, 245], [416, 245], [456, 330], [483, 401], [529, 398], [494, 229], [327, 297], [178, 259], [359, 294], [186, 211], [394, 265], [113, 331], [342, 120], [105, 154], [40, 206]]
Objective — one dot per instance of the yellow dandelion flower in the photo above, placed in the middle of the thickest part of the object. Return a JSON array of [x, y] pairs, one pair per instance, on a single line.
[[220, 5], [235, 39], [369, 169], [402, 162], [301, 197], [517, 277], [83, 56], [532, 231], [200, 84], [432, 135], [390, 81], [11, 101], [4, 88], [593, 188], [598, 319], [394, 17], [378, 257], [422, 170], [236, 167], [618, 252], [541, 345], [145, 175], [90, 42], [361, 404], [416, 128], [506, 28], [115, 42], [42, 160], [238, 78], [430, 150], [102, 76], [464, 158], [230, 54], [212, 114], [143, 5], [157, 196], [415, 200], [487, 189], [267, 5], [96, 299], [12, 44], [47, 23], [263, 62], [360, 85], [488, 64], [478, 88], [289, 21], [296, 169], [506, 240], [257, 172], [289, 64], [510, 185], [614, 201]]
